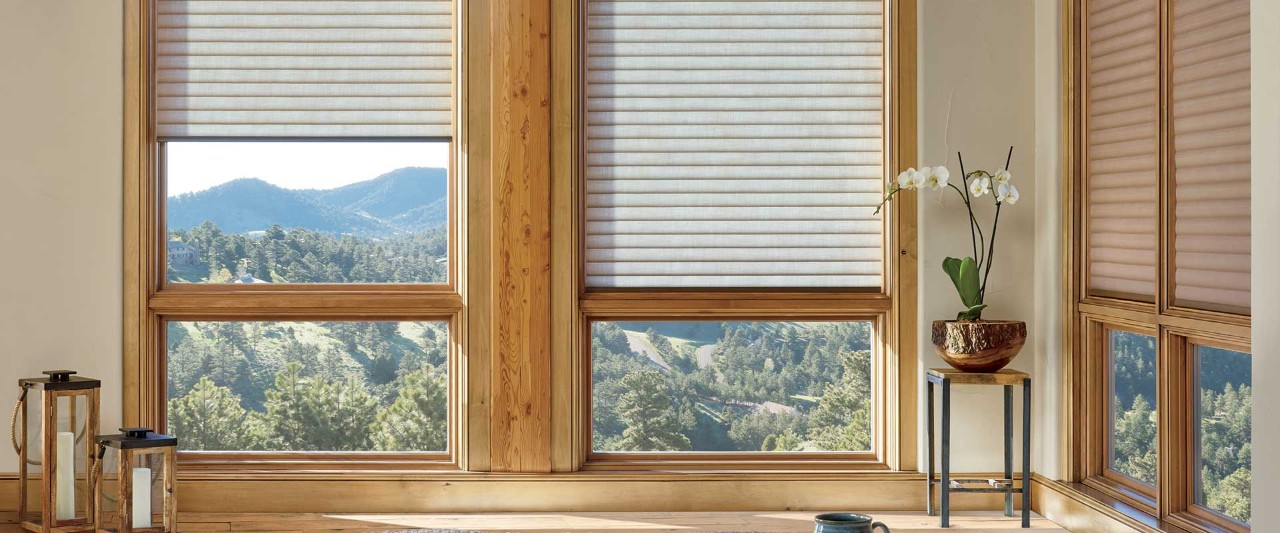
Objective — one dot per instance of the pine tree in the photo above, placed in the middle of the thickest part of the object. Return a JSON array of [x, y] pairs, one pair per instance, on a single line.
[[652, 423], [211, 418], [309, 414], [418, 420]]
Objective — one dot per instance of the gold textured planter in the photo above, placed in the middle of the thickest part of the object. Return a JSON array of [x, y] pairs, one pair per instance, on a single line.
[[980, 345]]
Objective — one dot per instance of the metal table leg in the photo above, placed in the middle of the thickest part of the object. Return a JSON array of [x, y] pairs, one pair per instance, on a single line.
[[1008, 447], [1026, 453], [929, 460], [945, 489]]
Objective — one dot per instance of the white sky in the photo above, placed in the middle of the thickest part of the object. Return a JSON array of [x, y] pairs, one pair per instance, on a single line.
[[196, 166]]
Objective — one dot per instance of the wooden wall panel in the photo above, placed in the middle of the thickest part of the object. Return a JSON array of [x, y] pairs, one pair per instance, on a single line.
[[520, 437]]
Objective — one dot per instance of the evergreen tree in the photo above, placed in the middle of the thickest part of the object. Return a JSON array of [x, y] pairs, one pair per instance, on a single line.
[[646, 409], [211, 418], [418, 420], [307, 414]]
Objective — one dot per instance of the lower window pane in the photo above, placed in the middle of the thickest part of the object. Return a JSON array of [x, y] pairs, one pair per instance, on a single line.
[[1225, 380], [731, 386], [308, 386], [1133, 405]]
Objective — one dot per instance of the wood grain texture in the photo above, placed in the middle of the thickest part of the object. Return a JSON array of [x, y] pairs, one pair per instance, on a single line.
[[903, 339], [520, 436], [475, 285], [567, 454], [1001, 377]]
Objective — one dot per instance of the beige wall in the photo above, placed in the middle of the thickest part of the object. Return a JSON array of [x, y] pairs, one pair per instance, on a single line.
[[978, 68], [1265, 18], [60, 195]]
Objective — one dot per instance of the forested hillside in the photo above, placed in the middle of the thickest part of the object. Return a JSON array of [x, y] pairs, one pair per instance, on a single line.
[[1225, 429], [731, 386]]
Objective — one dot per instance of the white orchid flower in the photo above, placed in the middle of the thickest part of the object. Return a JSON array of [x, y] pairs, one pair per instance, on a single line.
[[1006, 192], [907, 179], [1002, 177], [979, 186], [936, 177]]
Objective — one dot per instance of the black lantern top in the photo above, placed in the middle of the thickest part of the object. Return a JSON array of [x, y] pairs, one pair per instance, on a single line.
[[131, 438], [60, 380]]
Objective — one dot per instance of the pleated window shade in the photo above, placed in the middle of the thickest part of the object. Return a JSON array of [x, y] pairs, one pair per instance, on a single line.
[[304, 68], [734, 143], [1123, 147], [1210, 122]]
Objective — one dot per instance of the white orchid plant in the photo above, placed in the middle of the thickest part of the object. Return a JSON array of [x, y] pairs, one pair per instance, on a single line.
[[971, 273]]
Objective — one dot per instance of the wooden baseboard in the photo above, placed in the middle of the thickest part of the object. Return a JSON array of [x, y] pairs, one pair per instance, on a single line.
[[579, 491]]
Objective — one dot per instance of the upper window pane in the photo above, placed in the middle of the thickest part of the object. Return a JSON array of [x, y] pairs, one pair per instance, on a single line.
[[1132, 439], [308, 386], [734, 144], [731, 386], [307, 212], [1225, 431]]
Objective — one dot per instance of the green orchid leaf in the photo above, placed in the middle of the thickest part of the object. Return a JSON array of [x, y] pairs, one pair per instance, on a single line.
[[951, 266], [968, 283], [973, 313]]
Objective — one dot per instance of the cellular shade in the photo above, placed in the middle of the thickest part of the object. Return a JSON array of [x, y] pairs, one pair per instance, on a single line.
[[1210, 122], [734, 143], [1122, 166], [304, 68]]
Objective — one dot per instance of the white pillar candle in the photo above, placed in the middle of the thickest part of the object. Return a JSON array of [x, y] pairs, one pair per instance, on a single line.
[[141, 497], [65, 471]]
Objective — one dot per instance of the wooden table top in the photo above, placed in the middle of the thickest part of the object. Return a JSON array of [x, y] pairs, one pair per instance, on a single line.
[[1000, 377]]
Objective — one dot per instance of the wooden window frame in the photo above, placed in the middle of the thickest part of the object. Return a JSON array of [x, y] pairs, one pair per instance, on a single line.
[[151, 302], [1088, 313], [892, 308]]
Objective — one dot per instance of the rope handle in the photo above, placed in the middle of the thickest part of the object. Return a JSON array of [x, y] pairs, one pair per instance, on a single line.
[[13, 420]]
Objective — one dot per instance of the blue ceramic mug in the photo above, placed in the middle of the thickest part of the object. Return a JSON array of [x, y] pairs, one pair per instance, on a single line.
[[846, 523]]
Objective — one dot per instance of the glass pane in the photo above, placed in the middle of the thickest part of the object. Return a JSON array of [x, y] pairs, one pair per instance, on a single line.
[[307, 212], [1225, 432], [1133, 405], [731, 386], [308, 386]]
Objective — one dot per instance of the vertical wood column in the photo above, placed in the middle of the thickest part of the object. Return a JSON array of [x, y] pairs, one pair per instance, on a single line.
[[520, 120]]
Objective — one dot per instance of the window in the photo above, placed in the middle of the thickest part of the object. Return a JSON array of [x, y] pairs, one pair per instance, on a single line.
[[731, 386], [1224, 431], [1160, 246], [297, 231], [307, 212], [740, 295], [1132, 439], [308, 386]]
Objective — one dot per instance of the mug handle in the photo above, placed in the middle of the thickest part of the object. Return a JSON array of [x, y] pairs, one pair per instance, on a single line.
[[880, 525]]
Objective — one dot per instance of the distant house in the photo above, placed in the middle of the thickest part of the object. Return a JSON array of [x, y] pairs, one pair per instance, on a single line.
[[181, 253]]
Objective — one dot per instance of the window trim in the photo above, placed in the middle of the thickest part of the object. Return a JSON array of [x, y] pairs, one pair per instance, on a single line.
[[892, 307], [1086, 312], [150, 302]]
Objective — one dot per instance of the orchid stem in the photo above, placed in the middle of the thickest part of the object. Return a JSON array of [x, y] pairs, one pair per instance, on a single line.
[[995, 225], [974, 229]]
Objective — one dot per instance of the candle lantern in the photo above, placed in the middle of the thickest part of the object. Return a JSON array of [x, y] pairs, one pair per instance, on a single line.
[[146, 476], [56, 451]]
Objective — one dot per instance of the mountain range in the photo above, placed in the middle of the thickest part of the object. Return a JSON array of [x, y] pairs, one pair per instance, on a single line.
[[404, 200]]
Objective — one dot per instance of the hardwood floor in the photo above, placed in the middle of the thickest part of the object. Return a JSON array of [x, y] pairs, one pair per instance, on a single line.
[[771, 522]]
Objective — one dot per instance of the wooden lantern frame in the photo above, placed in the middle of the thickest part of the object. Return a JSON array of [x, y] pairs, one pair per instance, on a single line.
[[56, 385], [134, 442]]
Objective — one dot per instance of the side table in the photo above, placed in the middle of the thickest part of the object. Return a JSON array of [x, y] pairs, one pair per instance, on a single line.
[[1008, 379]]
